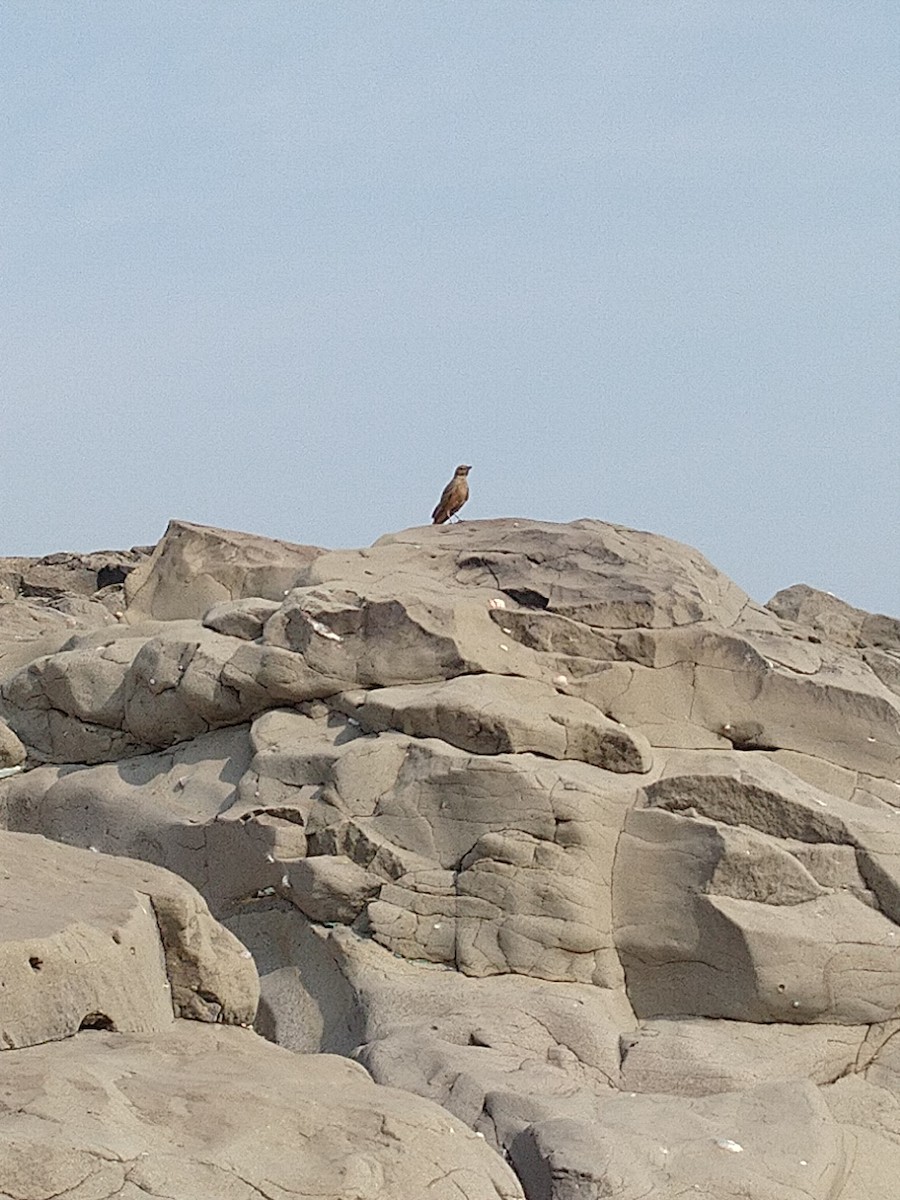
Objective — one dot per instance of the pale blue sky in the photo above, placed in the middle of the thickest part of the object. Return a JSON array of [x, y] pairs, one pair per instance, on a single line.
[[280, 265]]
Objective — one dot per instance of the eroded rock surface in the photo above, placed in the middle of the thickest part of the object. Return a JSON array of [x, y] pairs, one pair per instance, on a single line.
[[548, 824], [201, 1111], [89, 941]]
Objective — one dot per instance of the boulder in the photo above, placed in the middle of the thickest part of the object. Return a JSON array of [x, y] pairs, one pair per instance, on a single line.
[[63, 576], [199, 1111], [195, 566], [493, 714], [604, 576], [92, 942], [683, 685], [96, 702], [371, 640], [771, 901], [775, 1142], [12, 752], [832, 620], [241, 618], [30, 629], [168, 808], [697, 1057]]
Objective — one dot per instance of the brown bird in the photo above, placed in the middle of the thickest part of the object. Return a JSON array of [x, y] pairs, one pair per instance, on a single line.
[[453, 497]]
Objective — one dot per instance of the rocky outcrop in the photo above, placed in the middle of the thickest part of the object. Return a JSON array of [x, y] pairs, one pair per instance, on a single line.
[[65, 577], [195, 567], [96, 701], [549, 825], [93, 942], [831, 620], [771, 901], [492, 714], [101, 958], [202, 1111]]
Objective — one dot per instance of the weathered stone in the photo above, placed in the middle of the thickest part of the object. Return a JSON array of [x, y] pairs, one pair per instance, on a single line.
[[695, 1057], [195, 566], [492, 714], [62, 576], [775, 1142], [241, 618], [770, 901], [95, 703], [204, 1111], [834, 620], [170, 808], [12, 752], [472, 793], [88, 941], [331, 888]]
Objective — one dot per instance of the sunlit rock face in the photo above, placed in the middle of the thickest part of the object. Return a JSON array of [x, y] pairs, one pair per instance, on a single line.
[[548, 824]]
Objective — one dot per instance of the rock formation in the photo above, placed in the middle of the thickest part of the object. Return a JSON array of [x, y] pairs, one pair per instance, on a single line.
[[590, 861]]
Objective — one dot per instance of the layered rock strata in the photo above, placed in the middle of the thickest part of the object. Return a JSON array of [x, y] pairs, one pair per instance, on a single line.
[[548, 824]]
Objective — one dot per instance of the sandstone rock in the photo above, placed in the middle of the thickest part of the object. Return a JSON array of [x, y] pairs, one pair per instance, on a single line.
[[88, 941], [99, 702], [527, 818], [696, 1057], [834, 620], [372, 641], [490, 864], [770, 901], [166, 808], [456, 1040], [30, 629], [709, 1146], [535, 1068], [12, 752], [331, 888], [241, 618], [198, 1111], [491, 714], [58, 576], [194, 567], [603, 575], [832, 707], [886, 666], [864, 1102], [308, 999]]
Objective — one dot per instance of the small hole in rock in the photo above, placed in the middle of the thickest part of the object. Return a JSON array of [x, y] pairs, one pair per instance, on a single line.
[[97, 1020], [35, 963]]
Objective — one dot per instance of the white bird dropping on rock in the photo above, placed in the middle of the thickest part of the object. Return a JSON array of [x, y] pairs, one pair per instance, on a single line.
[[728, 1144], [560, 680], [496, 602], [323, 630]]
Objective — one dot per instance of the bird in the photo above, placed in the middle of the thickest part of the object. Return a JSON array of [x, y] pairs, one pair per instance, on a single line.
[[453, 497]]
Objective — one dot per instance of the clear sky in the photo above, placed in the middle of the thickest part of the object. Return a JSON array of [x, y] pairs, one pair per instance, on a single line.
[[280, 265]]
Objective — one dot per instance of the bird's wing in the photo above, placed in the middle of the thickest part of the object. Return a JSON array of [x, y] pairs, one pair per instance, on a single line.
[[443, 504]]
